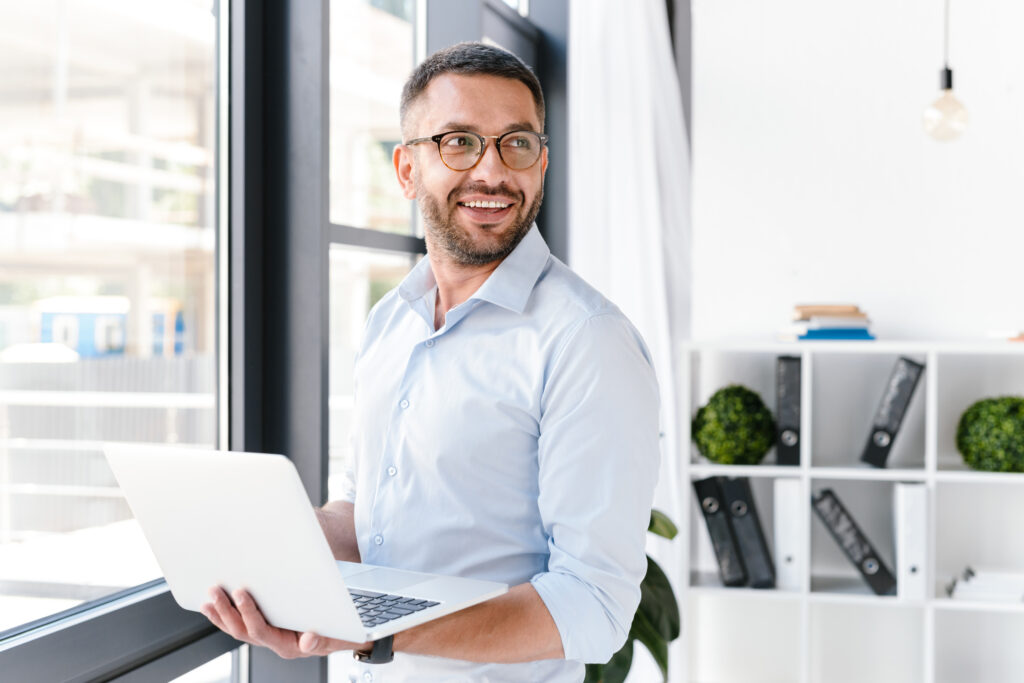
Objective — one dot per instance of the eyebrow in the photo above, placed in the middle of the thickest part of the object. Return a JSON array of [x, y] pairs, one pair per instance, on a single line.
[[518, 125]]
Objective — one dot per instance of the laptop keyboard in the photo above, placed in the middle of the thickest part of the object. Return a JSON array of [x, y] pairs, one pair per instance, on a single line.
[[378, 608]]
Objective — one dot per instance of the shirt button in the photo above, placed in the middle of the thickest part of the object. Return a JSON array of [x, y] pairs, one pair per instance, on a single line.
[[392, 470], [368, 677], [430, 343], [404, 403], [378, 539]]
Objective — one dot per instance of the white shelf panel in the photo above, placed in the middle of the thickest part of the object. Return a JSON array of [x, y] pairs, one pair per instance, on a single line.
[[714, 470], [969, 476], [865, 473], [708, 583], [845, 588], [966, 347], [868, 473], [978, 605]]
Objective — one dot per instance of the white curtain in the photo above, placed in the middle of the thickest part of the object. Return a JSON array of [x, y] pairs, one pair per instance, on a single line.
[[629, 197]]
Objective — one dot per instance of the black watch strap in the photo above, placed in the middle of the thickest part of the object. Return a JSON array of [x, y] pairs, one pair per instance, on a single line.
[[380, 653]]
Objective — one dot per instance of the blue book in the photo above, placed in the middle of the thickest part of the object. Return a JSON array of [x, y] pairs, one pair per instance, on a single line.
[[842, 333]]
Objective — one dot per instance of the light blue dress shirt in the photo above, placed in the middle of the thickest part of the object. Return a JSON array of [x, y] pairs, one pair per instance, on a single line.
[[518, 443]]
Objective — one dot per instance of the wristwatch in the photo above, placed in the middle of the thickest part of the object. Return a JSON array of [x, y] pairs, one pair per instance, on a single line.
[[380, 653]]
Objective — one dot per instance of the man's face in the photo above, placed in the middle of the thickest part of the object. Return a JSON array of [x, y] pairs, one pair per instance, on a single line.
[[487, 105]]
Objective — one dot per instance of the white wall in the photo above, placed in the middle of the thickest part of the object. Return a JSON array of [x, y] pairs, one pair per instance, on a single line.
[[814, 180]]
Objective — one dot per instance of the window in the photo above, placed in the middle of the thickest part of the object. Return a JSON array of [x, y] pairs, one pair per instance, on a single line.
[[371, 55], [107, 284]]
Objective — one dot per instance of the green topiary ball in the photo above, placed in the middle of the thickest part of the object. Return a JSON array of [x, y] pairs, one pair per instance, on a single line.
[[990, 435], [734, 428]]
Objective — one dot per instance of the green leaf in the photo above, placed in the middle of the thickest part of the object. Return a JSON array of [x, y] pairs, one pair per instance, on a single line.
[[645, 632], [617, 668], [662, 525], [658, 602]]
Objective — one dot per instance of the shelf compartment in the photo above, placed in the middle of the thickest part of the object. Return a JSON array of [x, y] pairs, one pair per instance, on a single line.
[[976, 525], [713, 370], [846, 390], [870, 503], [737, 636], [855, 643], [964, 380], [978, 646], [703, 562]]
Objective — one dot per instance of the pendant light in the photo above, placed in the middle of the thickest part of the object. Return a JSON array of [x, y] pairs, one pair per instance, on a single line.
[[946, 117]]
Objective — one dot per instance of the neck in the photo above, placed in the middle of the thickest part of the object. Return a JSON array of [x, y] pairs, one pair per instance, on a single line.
[[456, 282]]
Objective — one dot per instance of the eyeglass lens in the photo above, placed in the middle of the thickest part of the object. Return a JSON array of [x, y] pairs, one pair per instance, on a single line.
[[518, 150]]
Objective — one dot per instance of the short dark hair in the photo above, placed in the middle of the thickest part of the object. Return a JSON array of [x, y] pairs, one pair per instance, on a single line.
[[470, 59]]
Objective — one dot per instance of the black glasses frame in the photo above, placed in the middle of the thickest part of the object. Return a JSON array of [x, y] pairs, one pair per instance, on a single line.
[[436, 139]]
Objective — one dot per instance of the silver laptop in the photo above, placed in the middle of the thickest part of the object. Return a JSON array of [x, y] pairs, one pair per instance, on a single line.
[[243, 520]]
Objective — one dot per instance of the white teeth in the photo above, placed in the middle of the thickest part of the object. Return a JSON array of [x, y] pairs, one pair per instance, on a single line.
[[485, 205]]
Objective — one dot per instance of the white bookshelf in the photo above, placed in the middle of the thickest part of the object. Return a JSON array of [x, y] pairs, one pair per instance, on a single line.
[[833, 629]]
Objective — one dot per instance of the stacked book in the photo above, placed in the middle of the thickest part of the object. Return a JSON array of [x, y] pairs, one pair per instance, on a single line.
[[829, 321]]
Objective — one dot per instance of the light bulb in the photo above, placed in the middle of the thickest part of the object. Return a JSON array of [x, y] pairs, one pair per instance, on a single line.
[[946, 117]]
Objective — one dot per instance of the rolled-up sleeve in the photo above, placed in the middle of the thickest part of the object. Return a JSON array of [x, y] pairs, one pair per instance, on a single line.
[[598, 459]]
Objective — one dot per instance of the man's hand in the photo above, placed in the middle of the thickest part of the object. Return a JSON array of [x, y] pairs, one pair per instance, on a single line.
[[243, 621]]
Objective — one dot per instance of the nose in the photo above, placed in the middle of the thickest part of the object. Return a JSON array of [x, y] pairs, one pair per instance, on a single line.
[[490, 165]]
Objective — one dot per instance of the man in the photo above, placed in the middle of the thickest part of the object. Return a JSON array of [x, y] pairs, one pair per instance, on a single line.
[[506, 420]]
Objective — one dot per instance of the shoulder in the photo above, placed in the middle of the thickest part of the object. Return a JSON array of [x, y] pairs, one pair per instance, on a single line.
[[578, 314], [561, 291]]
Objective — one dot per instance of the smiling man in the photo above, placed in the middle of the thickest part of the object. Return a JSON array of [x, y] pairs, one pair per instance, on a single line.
[[506, 414]]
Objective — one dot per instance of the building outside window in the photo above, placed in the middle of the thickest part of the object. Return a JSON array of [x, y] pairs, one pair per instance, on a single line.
[[107, 280]]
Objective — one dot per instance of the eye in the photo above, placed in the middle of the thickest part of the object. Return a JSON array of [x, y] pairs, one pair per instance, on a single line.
[[459, 141], [517, 141]]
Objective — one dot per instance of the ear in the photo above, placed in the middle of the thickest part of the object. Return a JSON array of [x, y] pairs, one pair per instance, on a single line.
[[543, 162], [402, 158]]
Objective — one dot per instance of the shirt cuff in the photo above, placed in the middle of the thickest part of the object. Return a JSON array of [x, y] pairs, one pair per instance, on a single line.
[[589, 632]]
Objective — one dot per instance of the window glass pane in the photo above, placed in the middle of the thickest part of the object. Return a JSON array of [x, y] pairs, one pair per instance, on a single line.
[[107, 127], [371, 55], [358, 279]]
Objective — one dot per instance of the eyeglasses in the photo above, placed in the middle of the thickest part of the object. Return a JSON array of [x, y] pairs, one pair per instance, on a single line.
[[461, 150]]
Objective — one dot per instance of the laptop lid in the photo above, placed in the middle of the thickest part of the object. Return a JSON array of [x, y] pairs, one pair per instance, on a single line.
[[237, 520]]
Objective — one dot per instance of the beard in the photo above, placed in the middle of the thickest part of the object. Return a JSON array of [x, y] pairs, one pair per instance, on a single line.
[[440, 224]]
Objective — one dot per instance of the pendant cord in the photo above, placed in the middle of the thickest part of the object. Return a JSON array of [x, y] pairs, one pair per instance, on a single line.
[[945, 42]]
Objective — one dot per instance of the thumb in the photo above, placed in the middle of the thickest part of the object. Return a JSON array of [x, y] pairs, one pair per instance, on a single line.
[[309, 641]]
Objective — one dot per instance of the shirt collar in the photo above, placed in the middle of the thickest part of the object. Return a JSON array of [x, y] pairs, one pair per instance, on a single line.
[[509, 286]]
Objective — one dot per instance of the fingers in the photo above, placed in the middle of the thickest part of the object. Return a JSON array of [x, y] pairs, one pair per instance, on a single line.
[[224, 616], [283, 642], [240, 617]]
